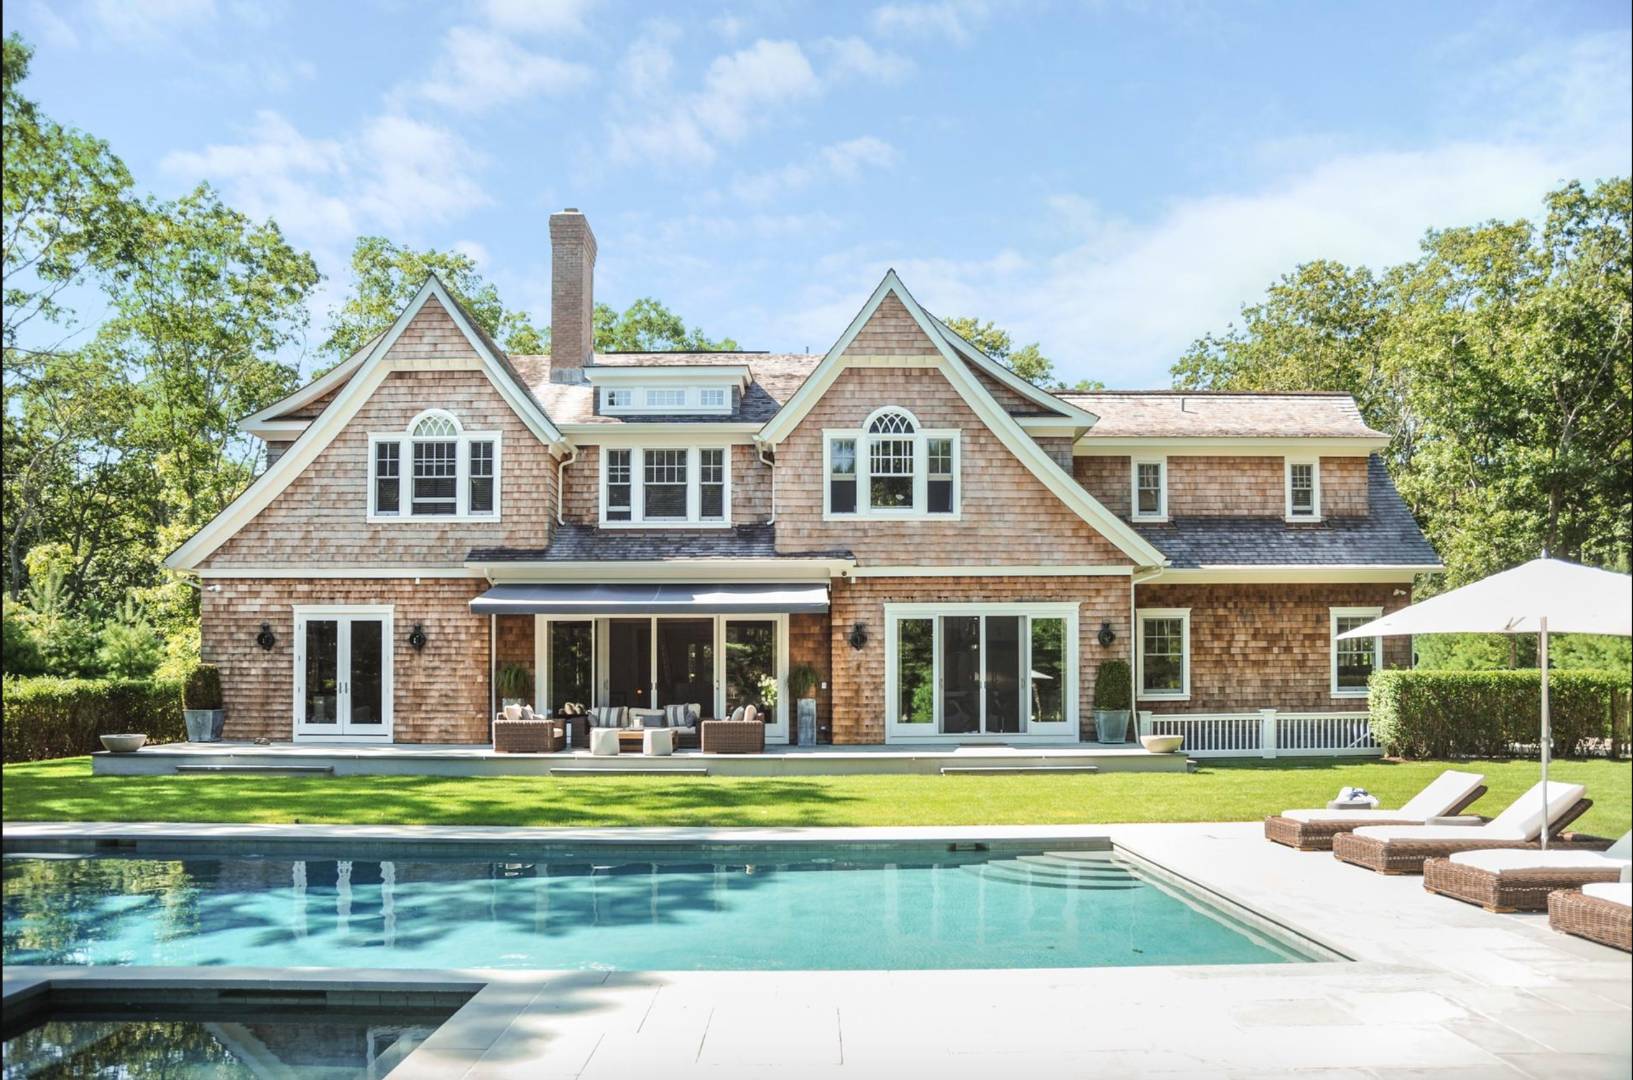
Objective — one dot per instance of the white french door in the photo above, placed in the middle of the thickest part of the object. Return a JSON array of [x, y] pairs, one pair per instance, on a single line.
[[343, 672]]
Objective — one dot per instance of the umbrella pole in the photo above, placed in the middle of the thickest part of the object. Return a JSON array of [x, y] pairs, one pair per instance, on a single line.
[[1547, 737]]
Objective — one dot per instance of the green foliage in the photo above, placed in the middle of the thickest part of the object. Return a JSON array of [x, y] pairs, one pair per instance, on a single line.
[[1027, 361], [128, 645], [48, 717], [768, 692], [1485, 652], [648, 326], [1113, 686], [202, 690], [22, 656], [1497, 361], [515, 681], [385, 277], [1419, 714], [802, 679]]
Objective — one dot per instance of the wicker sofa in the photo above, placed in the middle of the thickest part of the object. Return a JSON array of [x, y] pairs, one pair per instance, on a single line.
[[733, 737], [1595, 917]]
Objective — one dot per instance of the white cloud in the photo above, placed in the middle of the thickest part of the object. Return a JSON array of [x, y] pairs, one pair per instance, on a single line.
[[852, 56], [837, 161], [538, 16], [649, 62], [473, 250], [740, 91], [955, 20], [479, 69], [149, 20], [51, 28], [417, 172], [729, 26]]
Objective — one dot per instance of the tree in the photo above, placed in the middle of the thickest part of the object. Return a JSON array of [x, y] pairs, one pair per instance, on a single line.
[[1028, 361], [648, 326], [385, 277]]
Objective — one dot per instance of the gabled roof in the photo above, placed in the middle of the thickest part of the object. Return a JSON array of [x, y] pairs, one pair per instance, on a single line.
[[1047, 403], [956, 366], [370, 369]]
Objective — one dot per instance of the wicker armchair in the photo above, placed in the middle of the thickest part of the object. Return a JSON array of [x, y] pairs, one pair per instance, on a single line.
[[538, 735], [733, 737]]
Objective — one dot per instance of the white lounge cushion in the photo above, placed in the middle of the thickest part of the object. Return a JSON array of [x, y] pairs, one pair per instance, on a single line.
[[1439, 832], [1444, 792], [1502, 859], [1617, 892], [1524, 814]]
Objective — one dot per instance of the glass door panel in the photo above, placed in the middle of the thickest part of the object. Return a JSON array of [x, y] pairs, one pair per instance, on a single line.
[[751, 656], [960, 674], [916, 672], [365, 687], [629, 663], [572, 664], [1001, 674], [321, 678], [686, 663], [1048, 671]]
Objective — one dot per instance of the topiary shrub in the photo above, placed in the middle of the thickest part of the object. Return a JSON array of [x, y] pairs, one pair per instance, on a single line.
[[515, 681], [202, 690], [47, 717], [1113, 686], [802, 679], [1439, 714]]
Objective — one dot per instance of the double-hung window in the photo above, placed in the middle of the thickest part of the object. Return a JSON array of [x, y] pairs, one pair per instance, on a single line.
[[1354, 659], [448, 472], [892, 467], [1303, 491], [1150, 494], [1163, 654], [666, 485]]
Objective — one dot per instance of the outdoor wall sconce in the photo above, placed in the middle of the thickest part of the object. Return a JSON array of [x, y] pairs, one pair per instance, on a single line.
[[859, 636], [416, 637], [1107, 635], [266, 638]]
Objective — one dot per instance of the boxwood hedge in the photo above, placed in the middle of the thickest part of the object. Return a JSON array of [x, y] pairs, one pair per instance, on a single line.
[[1439, 714], [47, 717]]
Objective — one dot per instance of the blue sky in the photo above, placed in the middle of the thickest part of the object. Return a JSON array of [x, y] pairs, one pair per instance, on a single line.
[[1110, 179]]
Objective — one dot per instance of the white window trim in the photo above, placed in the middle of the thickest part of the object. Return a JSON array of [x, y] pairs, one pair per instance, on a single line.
[[387, 614], [1134, 488], [1315, 488], [1333, 615], [694, 490], [1141, 693], [864, 464], [405, 439], [691, 403], [1072, 662]]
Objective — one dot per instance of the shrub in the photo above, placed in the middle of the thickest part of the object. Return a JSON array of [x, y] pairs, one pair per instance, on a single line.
[[1113, 686], [202, 690], [1437, 714], [48, 717], [802, 679], [22, 656], [515, 681]]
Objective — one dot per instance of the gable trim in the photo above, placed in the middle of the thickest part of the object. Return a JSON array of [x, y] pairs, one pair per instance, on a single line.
[[368, 376], [1037, 395], [984, 405]]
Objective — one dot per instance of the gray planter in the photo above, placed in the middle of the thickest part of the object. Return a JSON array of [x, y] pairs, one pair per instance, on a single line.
[[1111, 725], [204, 725], [805, 728], [123, 744]]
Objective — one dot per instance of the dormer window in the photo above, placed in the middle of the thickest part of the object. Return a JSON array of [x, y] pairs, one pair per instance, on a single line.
[[666, 398], [1303, 490], [892, 467], [434, 469], [1149, 498], [614, 398], [668, 389]]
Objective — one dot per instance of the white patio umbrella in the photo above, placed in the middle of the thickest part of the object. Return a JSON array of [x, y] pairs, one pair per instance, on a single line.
[[1541, 597]]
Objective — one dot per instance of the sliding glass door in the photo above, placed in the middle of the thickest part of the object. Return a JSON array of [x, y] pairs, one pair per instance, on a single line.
[[980, 671], [343, 672]]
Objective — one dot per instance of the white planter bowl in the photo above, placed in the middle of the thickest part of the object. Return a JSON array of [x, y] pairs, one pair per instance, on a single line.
[[123, 744], [1162, 744]]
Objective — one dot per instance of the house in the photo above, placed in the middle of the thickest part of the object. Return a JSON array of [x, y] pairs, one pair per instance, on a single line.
[[952, 549]]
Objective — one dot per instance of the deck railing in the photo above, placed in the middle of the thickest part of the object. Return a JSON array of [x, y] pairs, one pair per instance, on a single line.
[[1267, 733]]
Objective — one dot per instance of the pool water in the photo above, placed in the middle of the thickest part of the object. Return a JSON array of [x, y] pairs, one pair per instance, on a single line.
[[717, 909], [145, 1043]]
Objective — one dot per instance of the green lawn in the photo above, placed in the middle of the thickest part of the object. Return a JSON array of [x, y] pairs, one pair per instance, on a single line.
[[65, 790]]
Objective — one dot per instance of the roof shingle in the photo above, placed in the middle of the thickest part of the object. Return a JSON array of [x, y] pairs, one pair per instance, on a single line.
[[1207, 414], [773, 379]]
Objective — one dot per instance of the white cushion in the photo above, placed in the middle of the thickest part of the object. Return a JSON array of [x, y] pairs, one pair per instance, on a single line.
[[604, 741], [1444, 792], [1439, 832], [1501, 859], [1360, 815], [1525, 816], [1617, 892], [659, 742]]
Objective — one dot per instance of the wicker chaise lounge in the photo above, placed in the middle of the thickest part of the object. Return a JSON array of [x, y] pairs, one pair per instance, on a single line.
[[1601, 912], [1509, 880], [1449, 794], [1402, 849]]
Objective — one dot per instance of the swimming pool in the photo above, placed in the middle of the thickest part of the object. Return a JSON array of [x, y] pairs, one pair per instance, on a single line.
[[833, 907]]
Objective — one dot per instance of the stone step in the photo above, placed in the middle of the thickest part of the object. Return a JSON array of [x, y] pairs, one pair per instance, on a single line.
[[1015, 876], [260, 770], [1004, 770]]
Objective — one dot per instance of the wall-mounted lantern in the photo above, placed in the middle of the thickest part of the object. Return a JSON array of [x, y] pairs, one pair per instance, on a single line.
[[266, 638], [859, 636], [1107, 635], [416, 637]]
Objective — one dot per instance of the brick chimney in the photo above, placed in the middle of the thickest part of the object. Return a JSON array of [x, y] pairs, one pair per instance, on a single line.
[[572, 295]]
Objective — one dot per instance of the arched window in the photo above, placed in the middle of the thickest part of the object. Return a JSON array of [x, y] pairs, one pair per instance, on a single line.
[[892, 467], [448, 472]]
